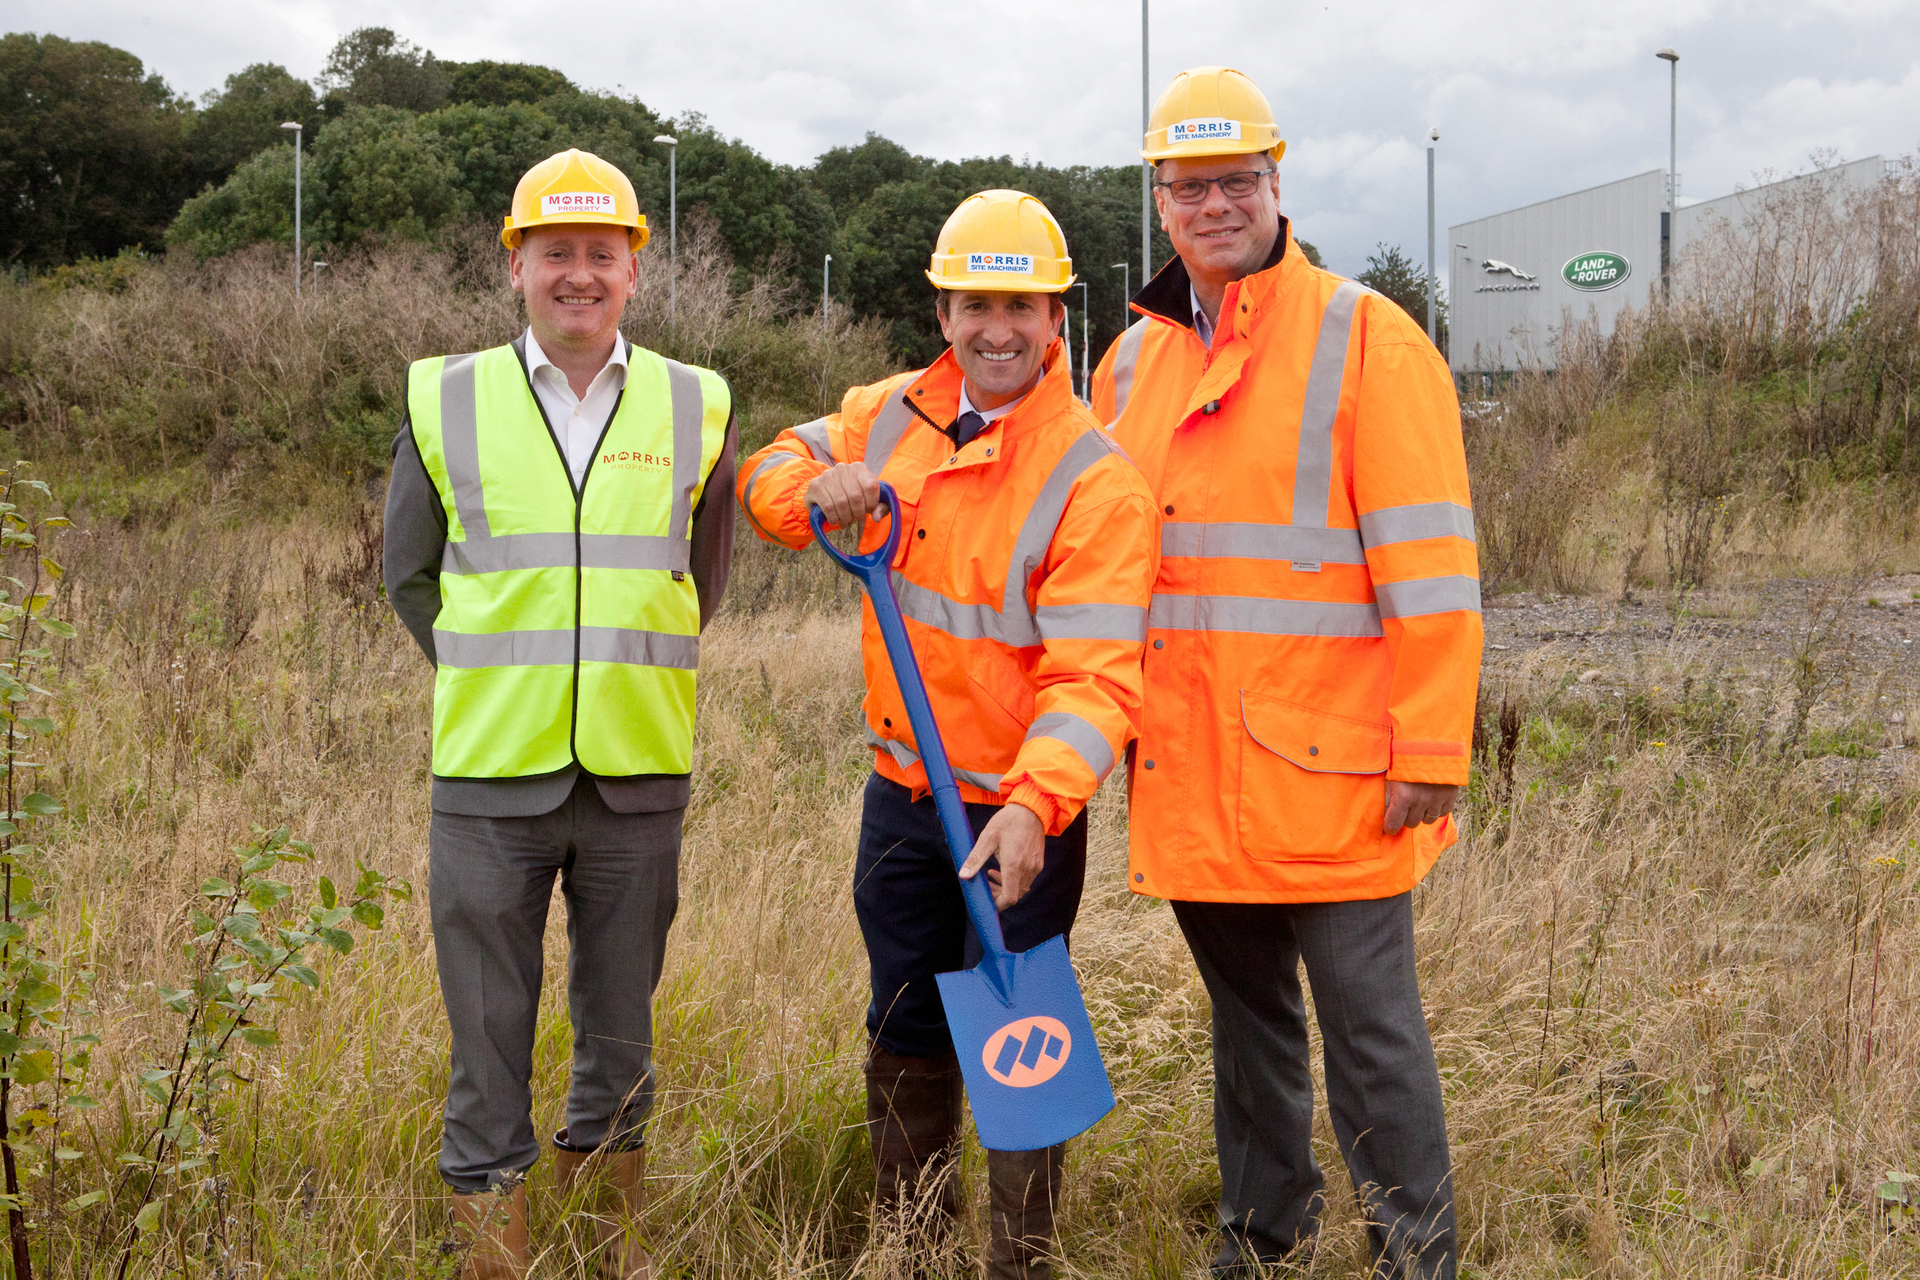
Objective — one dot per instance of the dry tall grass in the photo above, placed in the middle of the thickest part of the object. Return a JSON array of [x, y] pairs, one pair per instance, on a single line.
[[1670, 976]]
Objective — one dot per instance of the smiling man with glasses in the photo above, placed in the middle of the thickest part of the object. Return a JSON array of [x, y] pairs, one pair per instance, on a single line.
[[1313, 654]]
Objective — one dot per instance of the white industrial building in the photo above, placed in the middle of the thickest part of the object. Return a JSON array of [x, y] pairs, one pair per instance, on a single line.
[[1517, 276]]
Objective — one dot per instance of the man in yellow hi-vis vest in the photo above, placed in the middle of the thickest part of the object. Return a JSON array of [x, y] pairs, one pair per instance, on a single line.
[[557, 533]]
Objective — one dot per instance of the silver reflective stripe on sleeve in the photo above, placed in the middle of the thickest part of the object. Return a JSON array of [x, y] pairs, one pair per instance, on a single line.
[[1261, 542], [1087, 742], [884, 436], [1257, 615], [460, 442], [639, 648], [1092, 622], [772, 461], [814, 436], [1313, 470], [906, 757], [1123, 365], [1416, 521], [1419, 596], [689, 413], [509, 551], [961, 620]]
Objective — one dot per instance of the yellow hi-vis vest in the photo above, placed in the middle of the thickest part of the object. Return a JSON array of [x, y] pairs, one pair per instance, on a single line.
[[569, 627]]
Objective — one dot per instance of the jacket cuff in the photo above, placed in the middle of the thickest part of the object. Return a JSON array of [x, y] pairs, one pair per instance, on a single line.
[[1435, 763], [1055, 815]]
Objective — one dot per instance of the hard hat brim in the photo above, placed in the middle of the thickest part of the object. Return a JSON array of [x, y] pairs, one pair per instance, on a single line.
[[998, 283], [1195, 150], [637, 236]]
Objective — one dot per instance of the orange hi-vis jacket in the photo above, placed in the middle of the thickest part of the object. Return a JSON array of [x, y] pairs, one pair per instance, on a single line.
[[1315, 626], [1025, 567]]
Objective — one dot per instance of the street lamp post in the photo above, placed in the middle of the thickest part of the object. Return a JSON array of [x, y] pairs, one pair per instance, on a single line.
[[1086, 373], [297, 131], [672, 144], [1672, 60], [1432, 332], [1146, 168], [826, 275], [1126, 289]]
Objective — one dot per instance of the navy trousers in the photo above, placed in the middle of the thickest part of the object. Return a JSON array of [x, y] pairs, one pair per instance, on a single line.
[[907, 897]]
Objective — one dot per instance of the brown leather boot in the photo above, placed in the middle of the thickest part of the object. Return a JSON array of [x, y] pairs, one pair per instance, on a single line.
[[1022, 1189], [913, 1122], [492, 1227], [616, 1203]]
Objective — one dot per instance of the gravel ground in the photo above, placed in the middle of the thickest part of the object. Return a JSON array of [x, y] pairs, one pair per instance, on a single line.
[[1845, 647]]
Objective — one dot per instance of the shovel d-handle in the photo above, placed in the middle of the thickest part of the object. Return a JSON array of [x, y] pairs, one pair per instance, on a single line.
[[875, 570]]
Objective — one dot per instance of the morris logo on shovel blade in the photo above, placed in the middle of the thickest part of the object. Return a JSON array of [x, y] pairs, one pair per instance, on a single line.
[[1027, 1051]]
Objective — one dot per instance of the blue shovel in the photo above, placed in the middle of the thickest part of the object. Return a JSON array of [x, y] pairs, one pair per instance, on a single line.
[[1026, 1046]]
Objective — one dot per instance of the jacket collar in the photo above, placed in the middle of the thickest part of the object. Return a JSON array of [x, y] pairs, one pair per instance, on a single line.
[[934, 396], [1169, 295]]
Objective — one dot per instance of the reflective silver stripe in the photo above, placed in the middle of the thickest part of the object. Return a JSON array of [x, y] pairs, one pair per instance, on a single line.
[[883, 437], [1262, 542], [1257, 615], [639, 648], [814, 436], [778, 458], [1043, 517], [689, 412], [503, 649], [1419, 596], [1087, 742], [1092, 622], [906, 757], [1313, 470], [555, 648], [961, 620], [1123, 365], [509, 551], [1416, 521], [460, 443]]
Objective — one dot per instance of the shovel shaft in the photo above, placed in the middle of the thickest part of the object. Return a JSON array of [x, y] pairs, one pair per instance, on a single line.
[[875, 571]]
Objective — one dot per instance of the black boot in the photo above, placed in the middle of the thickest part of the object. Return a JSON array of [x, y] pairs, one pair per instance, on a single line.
[[1022, 1189], [913, 1122]]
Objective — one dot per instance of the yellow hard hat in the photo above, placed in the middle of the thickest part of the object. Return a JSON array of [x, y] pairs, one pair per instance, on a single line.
[[1001, 242], [1211, 111], [575, 186]]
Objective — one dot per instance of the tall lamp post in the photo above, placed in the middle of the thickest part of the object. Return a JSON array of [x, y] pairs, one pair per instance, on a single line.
[[1433, 138], [826, 275], [1126, 289], [1086, 374], [297, 131], [1672, 60], [1146, 168], [672, 144]]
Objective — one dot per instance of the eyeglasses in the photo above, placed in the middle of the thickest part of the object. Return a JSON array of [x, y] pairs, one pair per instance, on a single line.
[[1234, 186]]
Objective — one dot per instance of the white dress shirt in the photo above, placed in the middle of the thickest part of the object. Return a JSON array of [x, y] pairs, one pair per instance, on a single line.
[[986, 415], [577, 420]]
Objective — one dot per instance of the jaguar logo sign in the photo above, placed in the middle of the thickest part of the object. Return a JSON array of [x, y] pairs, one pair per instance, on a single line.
[[1518, 281], [1596, 272]]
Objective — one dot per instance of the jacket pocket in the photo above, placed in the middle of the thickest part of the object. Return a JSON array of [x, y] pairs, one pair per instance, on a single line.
[[1312, 783]]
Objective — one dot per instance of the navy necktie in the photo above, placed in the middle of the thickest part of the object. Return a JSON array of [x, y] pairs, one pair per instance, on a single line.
[[969, 425]]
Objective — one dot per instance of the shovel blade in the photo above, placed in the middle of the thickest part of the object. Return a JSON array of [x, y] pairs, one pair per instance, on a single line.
[[1033, 1071]]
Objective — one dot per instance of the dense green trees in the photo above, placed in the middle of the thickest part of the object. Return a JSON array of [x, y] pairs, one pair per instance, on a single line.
[[1390, 272], [97, 156]]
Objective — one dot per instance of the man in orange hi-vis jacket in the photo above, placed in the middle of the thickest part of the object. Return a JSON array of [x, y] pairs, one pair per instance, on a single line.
[[1314, 652], [1027, 553]]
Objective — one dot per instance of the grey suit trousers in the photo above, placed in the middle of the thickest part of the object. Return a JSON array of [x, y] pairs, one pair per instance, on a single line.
[[490, 882], [1383, 1087]]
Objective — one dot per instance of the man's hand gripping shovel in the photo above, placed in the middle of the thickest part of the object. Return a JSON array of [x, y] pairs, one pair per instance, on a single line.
[[1026, 1047]]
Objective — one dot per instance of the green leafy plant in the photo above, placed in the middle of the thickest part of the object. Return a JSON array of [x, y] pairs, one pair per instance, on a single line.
[[42, 1061], [253, 946]]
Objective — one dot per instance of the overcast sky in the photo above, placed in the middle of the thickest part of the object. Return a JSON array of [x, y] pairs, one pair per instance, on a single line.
[[1532, 100]]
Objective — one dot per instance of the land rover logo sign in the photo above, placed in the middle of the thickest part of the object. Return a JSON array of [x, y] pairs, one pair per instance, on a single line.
[[1596, 272]]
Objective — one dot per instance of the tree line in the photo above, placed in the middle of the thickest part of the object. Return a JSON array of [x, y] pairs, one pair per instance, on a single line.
[[97, 156]]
